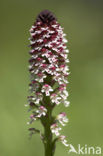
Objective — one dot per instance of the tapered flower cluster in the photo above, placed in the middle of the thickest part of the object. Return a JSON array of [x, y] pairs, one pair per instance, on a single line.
[[49, 72]]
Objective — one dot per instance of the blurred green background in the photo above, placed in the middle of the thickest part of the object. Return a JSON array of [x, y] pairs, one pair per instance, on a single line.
[[83, 23]]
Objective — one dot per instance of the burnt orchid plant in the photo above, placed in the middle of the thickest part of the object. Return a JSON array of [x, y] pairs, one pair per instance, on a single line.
[[49, 77]]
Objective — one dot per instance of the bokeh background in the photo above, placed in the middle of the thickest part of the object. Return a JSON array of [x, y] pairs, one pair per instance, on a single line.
[[83, 23]]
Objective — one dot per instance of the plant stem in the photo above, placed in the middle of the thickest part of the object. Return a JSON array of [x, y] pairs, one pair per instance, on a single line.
[[49, 147], [48, 133], [48, 143]]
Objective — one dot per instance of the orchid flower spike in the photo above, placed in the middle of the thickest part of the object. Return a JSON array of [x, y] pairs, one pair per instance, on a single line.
[[48, 67]]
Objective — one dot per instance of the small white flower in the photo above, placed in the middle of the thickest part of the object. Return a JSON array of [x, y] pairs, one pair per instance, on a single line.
[[46, 28], [46, 89], [62, 118], [67, 51], [63, 92], [43, 67], [31, 98], [58, 78], [36, 32], [63, 140], [33, 42], [39, 61], [33, 118], [51, 32], [66, 103], [64, 40], [34, 56], [45, 54], [41, 111], [63, 68], [64, 77], [67, 61], [55, 99], [51, 69], [46, 36], [64, 34], [38, 48], [54, 26], [38, 98], [40, 77], [33, 87], [55, 129], [32, 29], [48, 45]]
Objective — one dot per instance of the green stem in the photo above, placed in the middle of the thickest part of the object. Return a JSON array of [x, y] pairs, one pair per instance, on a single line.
[[48, 142], [49, 145], [48, 133], [48, 137]]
